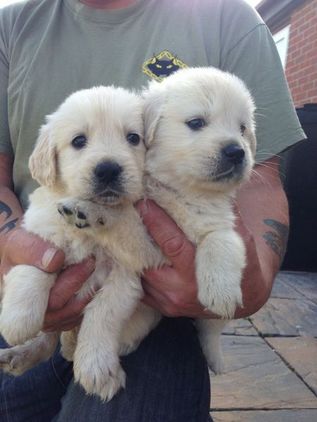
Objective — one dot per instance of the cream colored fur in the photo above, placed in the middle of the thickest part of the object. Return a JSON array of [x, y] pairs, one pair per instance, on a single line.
[[182, 171], [182, 176], [120, 243]]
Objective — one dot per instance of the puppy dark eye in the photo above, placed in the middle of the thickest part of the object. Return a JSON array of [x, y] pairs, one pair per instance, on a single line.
[[242, 129], [79, 141], [133, 138], [196, 124]]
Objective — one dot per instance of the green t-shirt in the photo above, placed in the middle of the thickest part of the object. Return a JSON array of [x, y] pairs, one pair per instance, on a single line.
[[51, 48]]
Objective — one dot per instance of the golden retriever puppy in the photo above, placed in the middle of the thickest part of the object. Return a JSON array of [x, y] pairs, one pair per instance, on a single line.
[[200, 135], [91, 150]]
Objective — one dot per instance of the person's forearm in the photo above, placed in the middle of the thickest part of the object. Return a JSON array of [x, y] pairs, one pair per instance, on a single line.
[[263, 224], [10, 208], [10, 213]]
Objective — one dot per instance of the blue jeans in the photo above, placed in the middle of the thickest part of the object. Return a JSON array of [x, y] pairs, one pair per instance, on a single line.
[[167, 381]]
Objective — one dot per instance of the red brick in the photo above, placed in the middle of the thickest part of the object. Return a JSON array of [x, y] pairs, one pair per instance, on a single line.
[[301, 67]]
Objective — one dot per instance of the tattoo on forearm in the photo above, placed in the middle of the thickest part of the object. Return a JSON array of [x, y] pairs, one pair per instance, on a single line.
[[8, 225], [5, 209], [277, 239]]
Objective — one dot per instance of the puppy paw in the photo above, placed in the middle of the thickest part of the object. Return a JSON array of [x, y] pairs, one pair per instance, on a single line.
[[220, 299], [72, 215], [103, 380], [14, 361], [81, 214], [209, 332], [215, 364]]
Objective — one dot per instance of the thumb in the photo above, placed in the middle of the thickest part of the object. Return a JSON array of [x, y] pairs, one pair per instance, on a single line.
[[26, 248]]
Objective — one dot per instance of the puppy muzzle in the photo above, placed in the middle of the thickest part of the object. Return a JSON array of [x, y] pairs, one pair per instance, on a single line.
[[107, 181], [231, 163]]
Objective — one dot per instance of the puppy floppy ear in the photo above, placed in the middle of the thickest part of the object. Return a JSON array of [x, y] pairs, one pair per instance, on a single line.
[[42, 162], [154, 98]]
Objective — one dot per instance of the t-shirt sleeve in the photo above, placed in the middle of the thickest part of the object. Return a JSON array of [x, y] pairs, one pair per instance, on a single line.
[[5, 141], [254, 58]]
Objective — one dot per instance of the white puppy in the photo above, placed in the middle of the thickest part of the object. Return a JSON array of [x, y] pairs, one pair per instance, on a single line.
[[199, 131], [91, 150]]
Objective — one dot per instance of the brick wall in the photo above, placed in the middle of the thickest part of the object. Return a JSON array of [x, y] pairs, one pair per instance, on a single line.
[[301, 67]]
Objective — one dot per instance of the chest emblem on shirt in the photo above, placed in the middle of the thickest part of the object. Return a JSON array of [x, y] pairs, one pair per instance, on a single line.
[[162, 65]]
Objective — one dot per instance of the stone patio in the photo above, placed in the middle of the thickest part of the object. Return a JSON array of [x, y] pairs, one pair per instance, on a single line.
[[271, 358]]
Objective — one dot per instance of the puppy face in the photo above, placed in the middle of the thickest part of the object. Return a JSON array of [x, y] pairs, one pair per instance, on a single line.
[[92, 147], [199, 129]]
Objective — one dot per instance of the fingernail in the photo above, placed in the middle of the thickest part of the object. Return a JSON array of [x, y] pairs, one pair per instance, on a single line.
[[48, 257]]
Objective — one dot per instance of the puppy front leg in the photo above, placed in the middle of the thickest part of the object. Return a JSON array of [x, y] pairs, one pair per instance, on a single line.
[[96, 359], [18, 359], [209, 332], [84, 214], [26, 292], [68, 343], [220, 260]]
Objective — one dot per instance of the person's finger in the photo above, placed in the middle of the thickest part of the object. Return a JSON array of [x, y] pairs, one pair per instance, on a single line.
[[169, 237], [70, 311], [69, 282], [162, 276], [151, 290], [65, 325], [158, 301], [71, 325], [26, 248]]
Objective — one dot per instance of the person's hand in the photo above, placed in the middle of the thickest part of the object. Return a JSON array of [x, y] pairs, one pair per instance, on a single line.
[[64, 309], [22, 247], [171, 289]]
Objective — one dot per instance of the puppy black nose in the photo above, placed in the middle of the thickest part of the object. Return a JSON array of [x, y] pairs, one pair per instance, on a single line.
[[107, 171], [233, 153]]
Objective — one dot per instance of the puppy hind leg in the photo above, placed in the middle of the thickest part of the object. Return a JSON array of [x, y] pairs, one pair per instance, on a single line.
[[138, 326], [19, 359], [96, 359], [209, 332], [24, 303], [68, 343]]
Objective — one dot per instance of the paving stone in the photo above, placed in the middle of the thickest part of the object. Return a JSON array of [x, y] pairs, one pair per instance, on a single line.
[[301, 282], [301, 354], [282, 289], [266, 416], [256, 378], [286, 317], [240, 327]]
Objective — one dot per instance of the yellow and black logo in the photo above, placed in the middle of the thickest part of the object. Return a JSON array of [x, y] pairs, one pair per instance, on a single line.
[[162, 65]]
